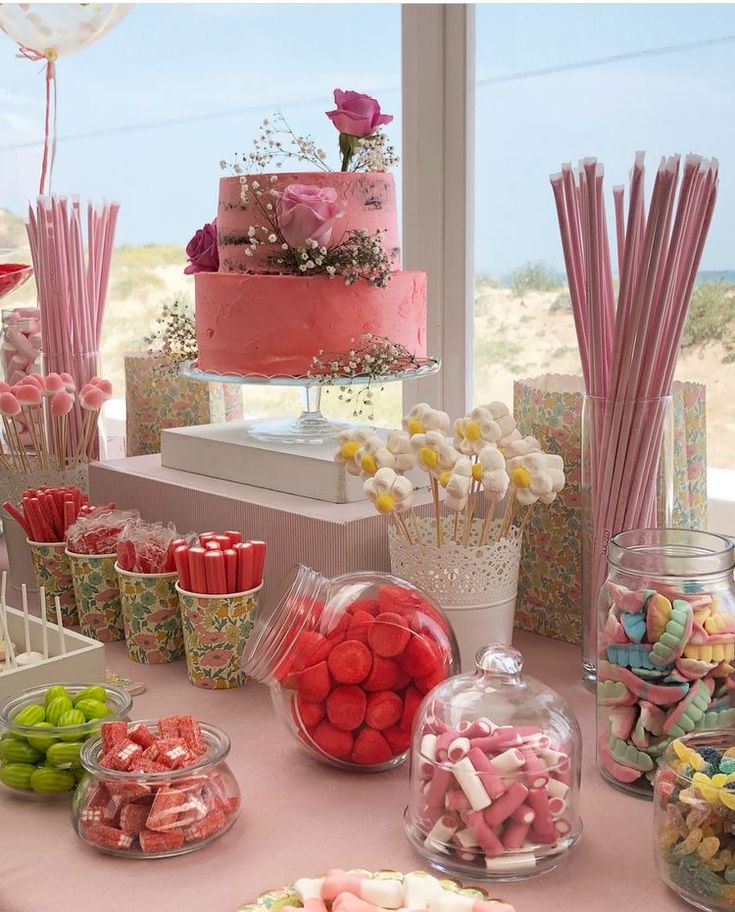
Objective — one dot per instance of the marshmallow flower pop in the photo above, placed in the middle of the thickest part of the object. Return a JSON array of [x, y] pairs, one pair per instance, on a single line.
[[392, 494]]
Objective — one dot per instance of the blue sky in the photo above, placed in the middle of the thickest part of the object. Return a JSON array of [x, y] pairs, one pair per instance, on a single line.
[[177, 61]]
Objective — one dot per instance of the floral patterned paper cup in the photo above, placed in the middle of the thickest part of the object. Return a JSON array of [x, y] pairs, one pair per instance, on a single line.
[[97, 591], [216, 629], [151, 616], [53, 572]]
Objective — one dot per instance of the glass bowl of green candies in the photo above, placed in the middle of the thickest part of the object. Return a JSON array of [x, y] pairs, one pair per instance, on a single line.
[[42, 730]]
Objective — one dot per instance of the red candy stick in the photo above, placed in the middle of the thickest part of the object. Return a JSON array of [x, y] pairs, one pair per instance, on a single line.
[[259, 548], [211, 545], [205, 536], [19, 518], [181, 560], [70, 513], [244, 566], [214, 563], [231, 569], [224, 541], [197, 571], [234, 537]]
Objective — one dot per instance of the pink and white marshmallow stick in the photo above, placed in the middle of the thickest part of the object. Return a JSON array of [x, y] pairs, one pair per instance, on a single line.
[[515, 834], [385, 893], [537, 775], [442, 832], [500, 810], [459, 902], [510, 761], [489, 777], [348, 902], [469, 781]]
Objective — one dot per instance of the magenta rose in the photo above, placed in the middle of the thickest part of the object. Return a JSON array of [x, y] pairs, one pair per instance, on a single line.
[[357, 114], [202, 250], [307, 213]]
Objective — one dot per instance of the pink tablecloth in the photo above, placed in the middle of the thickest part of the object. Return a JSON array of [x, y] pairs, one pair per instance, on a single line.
[[300, 818]]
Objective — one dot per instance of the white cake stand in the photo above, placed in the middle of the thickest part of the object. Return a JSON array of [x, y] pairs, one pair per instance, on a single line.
[[310, 426]]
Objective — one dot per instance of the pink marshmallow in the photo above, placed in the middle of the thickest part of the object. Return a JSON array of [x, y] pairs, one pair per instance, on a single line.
[[92, 399], [489, 777], [500, 810], [515, 834], [486, 838], [501, 739], [61, 403], [9, 405], [458, 748], [386, 894], [68, 382], [32, 380], [53, 384], [480, 728], [536, 773], [103, 385], [29, 395]]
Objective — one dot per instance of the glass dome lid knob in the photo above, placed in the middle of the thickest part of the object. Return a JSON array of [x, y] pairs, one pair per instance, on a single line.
[[499, 659]]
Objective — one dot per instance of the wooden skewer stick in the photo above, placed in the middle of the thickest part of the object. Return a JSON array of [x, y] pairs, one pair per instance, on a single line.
[[489, 513], [509, 512], [455, 534], [437, 511], [524, 521], [402, 525]]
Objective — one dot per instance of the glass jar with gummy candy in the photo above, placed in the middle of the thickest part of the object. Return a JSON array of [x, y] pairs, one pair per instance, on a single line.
[[348, 661], [171, 797], [666, 648], [495, 773], [42, 730], [694, 819]]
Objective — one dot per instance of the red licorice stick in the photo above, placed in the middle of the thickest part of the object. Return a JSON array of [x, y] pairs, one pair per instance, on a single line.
[[197, 570], [46, 515], [244, 566], [55, 514], [224, 541], [205, 536], [181, 560], [234, 537], [214, 563], [32, 510], [211, 545], [259, 549], [19, 518], [70, 513], [231, 569]]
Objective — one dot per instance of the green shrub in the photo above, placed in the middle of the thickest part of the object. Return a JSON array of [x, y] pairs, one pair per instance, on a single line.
[[534, 277], [711, 318]]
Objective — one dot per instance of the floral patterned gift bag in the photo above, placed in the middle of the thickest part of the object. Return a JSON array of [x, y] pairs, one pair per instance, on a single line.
[[549, 408]]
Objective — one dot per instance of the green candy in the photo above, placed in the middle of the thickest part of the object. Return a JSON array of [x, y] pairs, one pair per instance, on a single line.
[[17, 775], [48, 779], [71, 718], [95, 692], [56, 690], [93, 709], [41, 742], [30, 715], [64, 754], [13, 751], [56, 709]]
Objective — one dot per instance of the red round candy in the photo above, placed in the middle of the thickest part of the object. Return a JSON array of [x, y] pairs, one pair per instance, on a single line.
[[384, 710], [332, 741], [389, 635], [370, 748], [313, 683], [310, 648], [346, 707], [311, 714], [399, 740], [411, 702], [399, 600], [359, 626], [385, 675], [364, 604], [350, 662], [421, 657], [430, 681]]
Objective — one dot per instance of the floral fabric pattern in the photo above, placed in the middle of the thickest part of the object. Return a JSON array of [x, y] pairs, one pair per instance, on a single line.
[[151, 617], [157, 397], [550, 583], [53, 572], [216, 629], [98, 596]]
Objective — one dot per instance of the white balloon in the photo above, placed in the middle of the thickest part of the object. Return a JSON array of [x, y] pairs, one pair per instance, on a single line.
[[57, 29]]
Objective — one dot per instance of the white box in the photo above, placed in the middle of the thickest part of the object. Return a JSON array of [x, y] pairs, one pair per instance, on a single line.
[[84, 662], [225, 451]]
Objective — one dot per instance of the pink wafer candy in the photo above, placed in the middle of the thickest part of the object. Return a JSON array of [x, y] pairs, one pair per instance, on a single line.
[[500, 810], [9, 405], [61, 403], [68, 382], [486, 838], [489, 776], [53, 384], [28, 394], [385, 893], [446, 901], [91, 399]]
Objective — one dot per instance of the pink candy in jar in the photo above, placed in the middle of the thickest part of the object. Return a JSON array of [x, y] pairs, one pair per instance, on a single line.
[[495, 771]]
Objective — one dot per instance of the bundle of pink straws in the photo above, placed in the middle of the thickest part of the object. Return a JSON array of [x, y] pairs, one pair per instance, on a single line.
[[629, 349], [72, 288]]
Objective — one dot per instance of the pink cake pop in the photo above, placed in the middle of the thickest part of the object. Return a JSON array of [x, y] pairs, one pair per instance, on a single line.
[[68, 381]]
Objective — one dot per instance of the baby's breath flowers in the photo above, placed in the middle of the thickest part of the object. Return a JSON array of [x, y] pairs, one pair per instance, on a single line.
[[373, 357], [174, 335]]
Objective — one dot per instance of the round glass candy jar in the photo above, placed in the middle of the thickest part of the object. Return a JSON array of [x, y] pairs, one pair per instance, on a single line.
[[666, 645], [157, 814], [42, 759], [495, 771], [348, 661], [694, 819]]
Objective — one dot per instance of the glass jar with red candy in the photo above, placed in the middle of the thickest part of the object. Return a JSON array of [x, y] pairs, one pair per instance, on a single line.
[[348, 661]]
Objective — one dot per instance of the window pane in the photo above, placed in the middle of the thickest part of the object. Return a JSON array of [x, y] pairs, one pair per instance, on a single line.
[[147, 114], [559, 82]]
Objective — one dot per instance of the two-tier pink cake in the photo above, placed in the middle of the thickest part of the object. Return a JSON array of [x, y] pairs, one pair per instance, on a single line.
[[256, 317]]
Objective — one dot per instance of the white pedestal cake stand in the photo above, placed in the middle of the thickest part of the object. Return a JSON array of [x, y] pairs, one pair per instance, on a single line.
[[310, 426]]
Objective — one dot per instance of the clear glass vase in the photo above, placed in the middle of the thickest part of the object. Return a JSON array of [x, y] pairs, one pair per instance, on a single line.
[[627, 483]]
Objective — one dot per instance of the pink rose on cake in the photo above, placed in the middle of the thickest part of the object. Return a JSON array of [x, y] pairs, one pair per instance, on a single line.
[[202, 250], [357, 114], [307, 213]]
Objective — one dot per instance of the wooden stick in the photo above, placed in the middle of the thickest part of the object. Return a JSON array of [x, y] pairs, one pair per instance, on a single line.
[[489, 513], [456, 526], [402, 525], [508, 517], [437, 511], [524, 521]]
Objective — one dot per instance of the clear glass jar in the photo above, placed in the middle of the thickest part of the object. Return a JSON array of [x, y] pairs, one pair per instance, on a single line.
[[666, 646], [495, 773], [157, 814], [694, 819], [42, 759], [348, 661]]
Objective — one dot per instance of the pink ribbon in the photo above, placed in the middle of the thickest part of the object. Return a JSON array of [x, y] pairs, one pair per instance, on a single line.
[[50, 58]]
